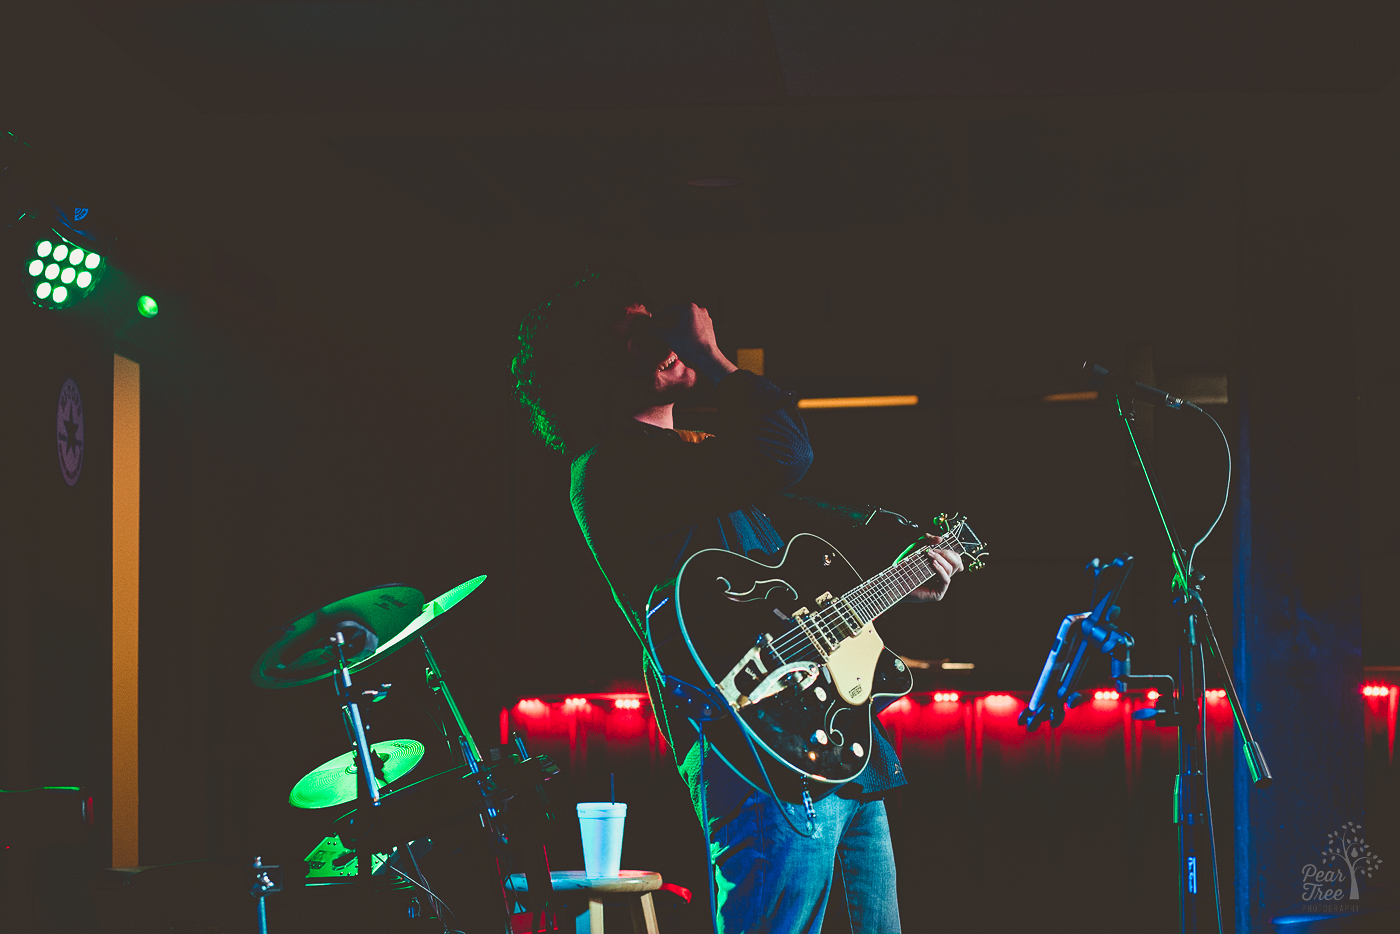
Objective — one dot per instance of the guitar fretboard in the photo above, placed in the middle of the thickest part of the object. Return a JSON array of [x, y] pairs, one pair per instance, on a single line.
[[845, 616]]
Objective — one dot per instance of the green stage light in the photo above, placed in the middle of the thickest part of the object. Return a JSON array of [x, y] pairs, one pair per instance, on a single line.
[[63, 273], [147, 306]]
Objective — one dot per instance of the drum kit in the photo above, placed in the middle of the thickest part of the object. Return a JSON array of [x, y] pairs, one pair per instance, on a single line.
[[503, 791]]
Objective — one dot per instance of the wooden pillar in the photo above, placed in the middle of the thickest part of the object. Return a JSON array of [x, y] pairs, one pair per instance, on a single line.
[[126, 601]]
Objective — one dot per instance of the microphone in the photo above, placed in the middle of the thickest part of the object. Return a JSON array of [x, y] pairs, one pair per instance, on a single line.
[[1132, 389]]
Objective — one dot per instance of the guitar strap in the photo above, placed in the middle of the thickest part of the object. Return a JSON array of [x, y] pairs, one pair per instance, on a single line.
[[693, 702], [856, 515]]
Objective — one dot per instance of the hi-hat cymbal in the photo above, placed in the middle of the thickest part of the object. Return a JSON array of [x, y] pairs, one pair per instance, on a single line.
[[303, 652], [425, 621], [334, 782]]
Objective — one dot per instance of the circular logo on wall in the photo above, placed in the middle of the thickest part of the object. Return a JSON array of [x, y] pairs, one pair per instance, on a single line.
[[70, 432]]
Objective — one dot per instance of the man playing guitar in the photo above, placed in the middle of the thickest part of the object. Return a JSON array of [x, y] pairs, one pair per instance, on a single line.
[[601, 376]]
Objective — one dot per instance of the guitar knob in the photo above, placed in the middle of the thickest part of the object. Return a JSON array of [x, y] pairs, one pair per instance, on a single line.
[[858, 749], [820, 694], [819, 737]]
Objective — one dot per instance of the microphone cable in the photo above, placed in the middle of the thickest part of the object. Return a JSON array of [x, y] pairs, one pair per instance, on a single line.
[[1229, 476], [1205, 732]]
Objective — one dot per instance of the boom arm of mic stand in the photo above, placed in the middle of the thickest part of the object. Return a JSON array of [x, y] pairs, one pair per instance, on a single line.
[[1179, 582], [1253, 756]]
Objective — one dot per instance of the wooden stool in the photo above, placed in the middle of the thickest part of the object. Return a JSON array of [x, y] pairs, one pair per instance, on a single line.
[[633, 886]]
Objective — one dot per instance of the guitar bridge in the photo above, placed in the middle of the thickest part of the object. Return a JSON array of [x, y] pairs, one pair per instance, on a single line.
[[797, 675], [761, 672]]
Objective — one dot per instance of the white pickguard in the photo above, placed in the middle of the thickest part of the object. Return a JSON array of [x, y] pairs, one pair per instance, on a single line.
[[852, 665]]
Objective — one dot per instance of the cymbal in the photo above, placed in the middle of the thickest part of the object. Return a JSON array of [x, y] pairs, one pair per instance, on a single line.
[[303, 654], [334, 782], [425, 621]]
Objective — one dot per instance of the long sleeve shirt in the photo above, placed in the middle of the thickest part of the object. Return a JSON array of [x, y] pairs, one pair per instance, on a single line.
[[647, 498]]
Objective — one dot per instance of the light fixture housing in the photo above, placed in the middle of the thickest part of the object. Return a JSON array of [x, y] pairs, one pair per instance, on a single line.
[[61, 272]]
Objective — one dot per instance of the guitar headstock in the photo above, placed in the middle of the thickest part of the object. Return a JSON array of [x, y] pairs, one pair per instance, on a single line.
[[954, 529]]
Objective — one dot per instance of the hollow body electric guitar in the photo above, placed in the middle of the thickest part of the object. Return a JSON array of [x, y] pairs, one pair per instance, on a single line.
[[790, 650]]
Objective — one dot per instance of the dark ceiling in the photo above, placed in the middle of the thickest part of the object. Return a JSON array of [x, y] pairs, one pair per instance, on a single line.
[[804, 178], [439, 55], [373, 59]]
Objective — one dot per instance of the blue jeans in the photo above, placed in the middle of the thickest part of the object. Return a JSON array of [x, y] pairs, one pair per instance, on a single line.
[[773, 879]]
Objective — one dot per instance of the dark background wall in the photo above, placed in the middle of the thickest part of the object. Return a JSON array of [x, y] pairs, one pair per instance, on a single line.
[[326, 396], [56, 616]]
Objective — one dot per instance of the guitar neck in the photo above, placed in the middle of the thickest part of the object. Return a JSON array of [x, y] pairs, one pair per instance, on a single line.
[[870, 598]]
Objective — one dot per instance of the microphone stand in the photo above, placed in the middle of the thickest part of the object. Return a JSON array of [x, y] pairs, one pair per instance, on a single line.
[[1184, 709]]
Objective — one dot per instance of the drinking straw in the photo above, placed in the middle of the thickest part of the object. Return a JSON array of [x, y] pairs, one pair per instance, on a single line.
[[612, 786]]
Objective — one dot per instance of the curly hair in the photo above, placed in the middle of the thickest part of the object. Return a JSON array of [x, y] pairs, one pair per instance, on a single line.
[[559, 382]]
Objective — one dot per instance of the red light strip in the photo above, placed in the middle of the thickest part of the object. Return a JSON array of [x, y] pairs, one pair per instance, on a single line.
[[630, 701]]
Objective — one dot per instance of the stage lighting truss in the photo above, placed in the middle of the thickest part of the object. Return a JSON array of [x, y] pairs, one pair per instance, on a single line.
[[61, 273]]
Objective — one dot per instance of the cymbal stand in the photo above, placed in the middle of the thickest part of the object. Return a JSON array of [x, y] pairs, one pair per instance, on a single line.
[[265, 880], [471, 756], [530, 830], [368, 784], [466, 748]]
